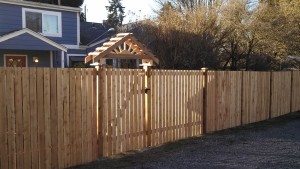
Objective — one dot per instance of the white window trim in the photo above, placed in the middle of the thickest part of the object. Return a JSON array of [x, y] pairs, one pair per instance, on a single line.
[[78, 29], [5, 55], [43, 12]]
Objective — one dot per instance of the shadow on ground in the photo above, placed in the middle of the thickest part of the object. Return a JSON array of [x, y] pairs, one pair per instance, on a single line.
[[271, 144]]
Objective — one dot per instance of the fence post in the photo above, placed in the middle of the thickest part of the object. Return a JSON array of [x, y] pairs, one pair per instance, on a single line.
[[147, 113], [100, 108], [292, 81], [204, 112], [242, 98], [271, 86]]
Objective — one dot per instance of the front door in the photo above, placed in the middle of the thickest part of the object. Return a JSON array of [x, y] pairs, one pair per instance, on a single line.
[[15, 61]]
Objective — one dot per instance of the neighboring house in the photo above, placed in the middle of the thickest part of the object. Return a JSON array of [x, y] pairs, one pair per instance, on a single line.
[[92, 35], [44, 35]]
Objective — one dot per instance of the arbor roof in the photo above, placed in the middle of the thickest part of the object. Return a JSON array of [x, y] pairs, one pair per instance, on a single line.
[[123, 46]]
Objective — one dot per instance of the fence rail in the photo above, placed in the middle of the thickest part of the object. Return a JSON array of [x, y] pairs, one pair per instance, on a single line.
[[58, 118]]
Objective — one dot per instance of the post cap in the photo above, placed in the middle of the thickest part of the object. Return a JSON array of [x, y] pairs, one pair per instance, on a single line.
[[204, 69]]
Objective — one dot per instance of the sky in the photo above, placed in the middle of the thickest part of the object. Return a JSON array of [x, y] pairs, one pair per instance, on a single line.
[[134, 10]]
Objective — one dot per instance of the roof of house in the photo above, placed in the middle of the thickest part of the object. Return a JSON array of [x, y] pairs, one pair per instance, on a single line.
[[90, 32], [23, 31], [41, 5]]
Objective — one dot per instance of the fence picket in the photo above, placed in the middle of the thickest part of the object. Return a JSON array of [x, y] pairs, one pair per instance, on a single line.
[[94, 116], [60, 117], [54, 118], [33, 118], [78, 118], [72, 98], [19, 118], [26, 118], [84, 116], [3, 122], [46, 96], [41, 118], [89, 114], [66, 117]]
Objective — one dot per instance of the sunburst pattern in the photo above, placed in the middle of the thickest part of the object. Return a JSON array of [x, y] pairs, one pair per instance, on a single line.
[[123, 46]]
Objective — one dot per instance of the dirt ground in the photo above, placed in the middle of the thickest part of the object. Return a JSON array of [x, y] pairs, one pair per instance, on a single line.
[[271, 144]]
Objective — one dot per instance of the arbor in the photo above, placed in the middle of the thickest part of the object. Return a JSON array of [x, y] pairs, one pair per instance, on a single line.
[[115, 13]]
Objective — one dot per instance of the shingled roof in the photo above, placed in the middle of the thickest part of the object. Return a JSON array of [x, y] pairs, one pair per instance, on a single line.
[[91, 31]]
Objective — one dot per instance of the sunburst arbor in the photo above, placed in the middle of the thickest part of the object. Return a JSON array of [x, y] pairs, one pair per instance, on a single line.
[[123, 46]]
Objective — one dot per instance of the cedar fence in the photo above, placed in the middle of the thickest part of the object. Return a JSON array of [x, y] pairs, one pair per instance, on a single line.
[[58, 118]]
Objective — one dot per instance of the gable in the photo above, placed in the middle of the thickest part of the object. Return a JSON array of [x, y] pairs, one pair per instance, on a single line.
[[12, 18], [28, 40]]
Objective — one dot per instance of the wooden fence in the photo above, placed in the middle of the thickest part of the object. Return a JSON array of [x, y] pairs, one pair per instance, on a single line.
[[255, 97], [295, 96], [223, 100], [57, 118], [280, 93], [47, 118]]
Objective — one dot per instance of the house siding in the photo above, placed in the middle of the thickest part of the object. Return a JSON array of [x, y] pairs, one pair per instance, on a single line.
[[26, 42], [11, 20], [76, 51], [69, 29], [44, 57]]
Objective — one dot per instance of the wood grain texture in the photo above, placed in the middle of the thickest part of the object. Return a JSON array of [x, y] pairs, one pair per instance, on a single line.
[[54, 118], [19, 117], [281, 93], [223, 100], [58, 118], [295, 91], [66, 117], [256, 97], [3, 121], [26, 118]]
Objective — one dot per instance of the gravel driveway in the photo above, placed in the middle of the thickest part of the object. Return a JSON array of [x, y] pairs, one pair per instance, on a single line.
[[272, 144]]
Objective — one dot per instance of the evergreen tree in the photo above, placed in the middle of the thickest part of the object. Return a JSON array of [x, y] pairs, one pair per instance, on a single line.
[[115, 13]]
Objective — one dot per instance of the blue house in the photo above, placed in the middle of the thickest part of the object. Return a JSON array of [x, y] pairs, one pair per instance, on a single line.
[[45, 35]]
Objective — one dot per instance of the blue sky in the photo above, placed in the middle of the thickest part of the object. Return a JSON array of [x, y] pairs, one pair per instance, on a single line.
[[134, 9]]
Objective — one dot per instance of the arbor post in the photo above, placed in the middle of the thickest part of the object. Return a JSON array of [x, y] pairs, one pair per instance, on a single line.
[[147, 110]]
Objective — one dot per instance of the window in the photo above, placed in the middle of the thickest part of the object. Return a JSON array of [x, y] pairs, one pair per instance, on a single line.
[[15, 60], [45, 22]]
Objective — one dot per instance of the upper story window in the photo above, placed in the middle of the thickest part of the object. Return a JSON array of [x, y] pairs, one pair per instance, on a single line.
[[45, 22]]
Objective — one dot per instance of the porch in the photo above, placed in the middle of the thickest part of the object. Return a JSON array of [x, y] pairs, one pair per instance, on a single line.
[[25, 48]]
